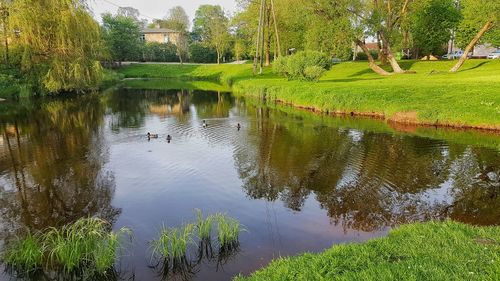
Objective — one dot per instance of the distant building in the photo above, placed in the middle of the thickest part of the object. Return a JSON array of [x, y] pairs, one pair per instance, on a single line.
[[160, 35]]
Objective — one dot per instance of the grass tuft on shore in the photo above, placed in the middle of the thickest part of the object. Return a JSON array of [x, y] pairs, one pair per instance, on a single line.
[[422, 251]]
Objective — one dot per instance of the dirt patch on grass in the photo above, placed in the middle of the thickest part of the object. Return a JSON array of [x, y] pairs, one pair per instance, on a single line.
[[410, 117]]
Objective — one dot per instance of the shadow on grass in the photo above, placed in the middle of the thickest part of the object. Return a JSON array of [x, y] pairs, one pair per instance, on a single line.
[[405, 64], [474, 67], [348, 80]]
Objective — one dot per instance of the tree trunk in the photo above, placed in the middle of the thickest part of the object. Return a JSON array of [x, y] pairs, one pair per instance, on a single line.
[[373, 65], [268, 37], [218, 57], [381, 54], [278, 44], [471, 45], [390, 56]]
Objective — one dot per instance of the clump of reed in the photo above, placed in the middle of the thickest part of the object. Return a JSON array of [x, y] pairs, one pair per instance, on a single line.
[[87, 246], [25, 254], [173, 243], [170, 250], [228, 231], [204, 226]]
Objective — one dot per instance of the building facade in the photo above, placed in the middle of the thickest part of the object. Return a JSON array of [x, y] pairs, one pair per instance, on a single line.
[[160, 35]]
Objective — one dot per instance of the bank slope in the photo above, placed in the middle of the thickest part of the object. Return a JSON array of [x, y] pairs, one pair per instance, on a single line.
[[430, 251], [433, 96]]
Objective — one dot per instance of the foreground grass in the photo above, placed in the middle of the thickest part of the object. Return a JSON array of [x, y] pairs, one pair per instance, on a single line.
[[86, 246], [468, 98], [430, 251]]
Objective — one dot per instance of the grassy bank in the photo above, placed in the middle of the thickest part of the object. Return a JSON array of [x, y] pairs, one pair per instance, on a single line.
[[433, 96], [431, 251]]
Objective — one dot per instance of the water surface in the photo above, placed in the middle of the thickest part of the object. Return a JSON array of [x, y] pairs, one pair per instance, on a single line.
[[298, 182]]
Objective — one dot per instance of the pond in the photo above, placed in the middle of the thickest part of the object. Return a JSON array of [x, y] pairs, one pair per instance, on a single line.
[[297, 181]]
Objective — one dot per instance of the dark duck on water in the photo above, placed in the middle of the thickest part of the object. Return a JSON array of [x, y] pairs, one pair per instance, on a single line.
[[152, 136]]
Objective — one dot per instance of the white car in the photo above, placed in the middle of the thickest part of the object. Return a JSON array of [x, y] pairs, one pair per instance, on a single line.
[[456, 55], [495, 55]]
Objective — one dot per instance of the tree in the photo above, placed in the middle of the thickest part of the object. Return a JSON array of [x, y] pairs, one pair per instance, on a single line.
[[60, 44], [178, 20], [383, 19], [353, 15], [211, 26], [128, 12], [431, 24], [4, 21], [122, 37], [480, 18]]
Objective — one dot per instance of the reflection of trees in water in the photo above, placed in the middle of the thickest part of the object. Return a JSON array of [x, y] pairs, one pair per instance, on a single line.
[[51, 166], [368, 181], [187, 266], [130, 107]]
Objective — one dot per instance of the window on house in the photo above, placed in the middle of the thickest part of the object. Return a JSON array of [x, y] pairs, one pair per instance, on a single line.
[[143, 37], [167, 38]]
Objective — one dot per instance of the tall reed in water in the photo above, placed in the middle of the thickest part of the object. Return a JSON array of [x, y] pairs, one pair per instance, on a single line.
[[172, 243], [228, 231], [204, 226]]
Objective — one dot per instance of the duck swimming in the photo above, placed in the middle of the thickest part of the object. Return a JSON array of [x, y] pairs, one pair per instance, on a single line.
[[152, 136], [169, 138], [238, 126], [205, 124]]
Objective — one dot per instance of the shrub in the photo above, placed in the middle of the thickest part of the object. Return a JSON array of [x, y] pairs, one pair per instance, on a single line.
[[294, 66], [363, 56], [201, 54], [313, 73], [160, 52]]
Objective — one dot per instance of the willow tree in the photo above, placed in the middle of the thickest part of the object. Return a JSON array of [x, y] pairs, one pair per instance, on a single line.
[[60, 44]]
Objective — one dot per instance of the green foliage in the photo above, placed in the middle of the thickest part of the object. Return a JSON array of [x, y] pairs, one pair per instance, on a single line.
[[313, 73], [294, 66], [204, 226], [228, 231], [200, 53], [363, 56], [86, 245], [430, 251], [160, 52], [431, 24], [476, 13], [26, 254], [211, 26], [58, 42], [176, 19], [122, 37], [172, 243]]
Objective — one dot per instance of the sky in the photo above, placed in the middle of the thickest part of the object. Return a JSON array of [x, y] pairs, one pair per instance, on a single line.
[[156, 8]]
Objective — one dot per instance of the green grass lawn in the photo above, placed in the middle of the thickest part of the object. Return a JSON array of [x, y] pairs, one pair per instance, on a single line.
[[430, 251], [432, 95]]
